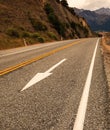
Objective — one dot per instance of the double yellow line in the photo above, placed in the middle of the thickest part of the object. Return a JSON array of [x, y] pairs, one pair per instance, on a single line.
[[15, 67]]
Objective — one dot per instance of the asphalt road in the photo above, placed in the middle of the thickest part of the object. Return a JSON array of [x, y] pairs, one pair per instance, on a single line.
[[52, 103]]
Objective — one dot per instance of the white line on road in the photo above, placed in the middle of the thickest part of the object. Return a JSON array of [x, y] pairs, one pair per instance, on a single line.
[[19, 50], [79, 122], [40, 76], [29, 48], [25, 49]]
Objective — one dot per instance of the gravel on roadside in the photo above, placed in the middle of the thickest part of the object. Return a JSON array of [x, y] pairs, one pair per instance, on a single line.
[[105, 50]]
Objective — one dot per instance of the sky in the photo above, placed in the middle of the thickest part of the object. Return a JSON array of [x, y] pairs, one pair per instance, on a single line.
[[89, 4]]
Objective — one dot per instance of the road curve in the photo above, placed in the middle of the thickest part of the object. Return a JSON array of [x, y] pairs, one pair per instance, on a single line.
[[56, 83]]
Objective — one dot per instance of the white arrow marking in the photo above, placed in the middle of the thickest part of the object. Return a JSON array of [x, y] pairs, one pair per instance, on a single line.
[[40, 76]]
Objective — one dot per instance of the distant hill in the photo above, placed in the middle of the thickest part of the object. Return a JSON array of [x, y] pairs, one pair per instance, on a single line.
[[99, 20], [38, 21]]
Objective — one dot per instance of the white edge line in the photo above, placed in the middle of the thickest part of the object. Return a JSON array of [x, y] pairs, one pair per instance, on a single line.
[[79, 122]]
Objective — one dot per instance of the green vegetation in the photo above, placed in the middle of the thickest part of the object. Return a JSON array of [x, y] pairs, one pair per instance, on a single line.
[[86, 32], [58, 1], [60, 27], [84, 29], [14, 38], [31, 41], [26, 34], [38, 25], [52, 35], [64, 3], [41, 39], [13, 32], [78, 27], [71, 11], [35, 35], [73, 25]]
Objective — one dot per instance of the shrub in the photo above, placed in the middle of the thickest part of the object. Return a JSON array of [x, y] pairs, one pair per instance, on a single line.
[[73, 25], [41, 39], [13, 32], [37, 25], [30, 41], [35, 35], [48, 9], [71, 10], [71, 35], [52, 35], [61, 29], [26, 34], [64, 3]]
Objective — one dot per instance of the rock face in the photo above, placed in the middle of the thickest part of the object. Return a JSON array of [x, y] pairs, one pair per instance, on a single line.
[[30, 16]]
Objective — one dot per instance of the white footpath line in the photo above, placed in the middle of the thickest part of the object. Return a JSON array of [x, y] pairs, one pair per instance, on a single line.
[[79, 122], [40, 76]]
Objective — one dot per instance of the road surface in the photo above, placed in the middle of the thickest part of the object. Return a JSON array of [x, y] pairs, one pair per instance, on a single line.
[[63, 88]]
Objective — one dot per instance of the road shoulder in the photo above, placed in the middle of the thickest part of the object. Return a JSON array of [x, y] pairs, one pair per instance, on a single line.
[[105, 49]]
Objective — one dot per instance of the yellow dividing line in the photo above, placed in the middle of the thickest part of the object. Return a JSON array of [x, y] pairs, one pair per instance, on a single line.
[[12, 68]]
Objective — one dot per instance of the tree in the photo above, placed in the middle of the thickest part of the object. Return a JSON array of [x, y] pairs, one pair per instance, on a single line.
[[64, 3], [71, 10], [58, 1]]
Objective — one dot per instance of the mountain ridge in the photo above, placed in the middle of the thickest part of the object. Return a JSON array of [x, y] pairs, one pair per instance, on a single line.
[[97, 21], [105, 11]]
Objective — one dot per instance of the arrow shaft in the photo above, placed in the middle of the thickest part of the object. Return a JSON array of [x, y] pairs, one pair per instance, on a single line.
[[55, 66]]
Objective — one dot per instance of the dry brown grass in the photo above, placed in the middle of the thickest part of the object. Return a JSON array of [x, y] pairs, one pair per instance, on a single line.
[[7, 42], [106, 43], [18, 15]]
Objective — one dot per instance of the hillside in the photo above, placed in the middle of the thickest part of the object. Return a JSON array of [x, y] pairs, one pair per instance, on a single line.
[[33, 21], [98, 19]]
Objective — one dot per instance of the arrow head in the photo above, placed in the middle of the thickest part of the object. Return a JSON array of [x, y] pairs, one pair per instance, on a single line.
[[40, 76], [37, 78]]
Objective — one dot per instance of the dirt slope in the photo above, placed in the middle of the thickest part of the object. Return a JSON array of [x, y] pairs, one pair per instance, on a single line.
[[30, 20]]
